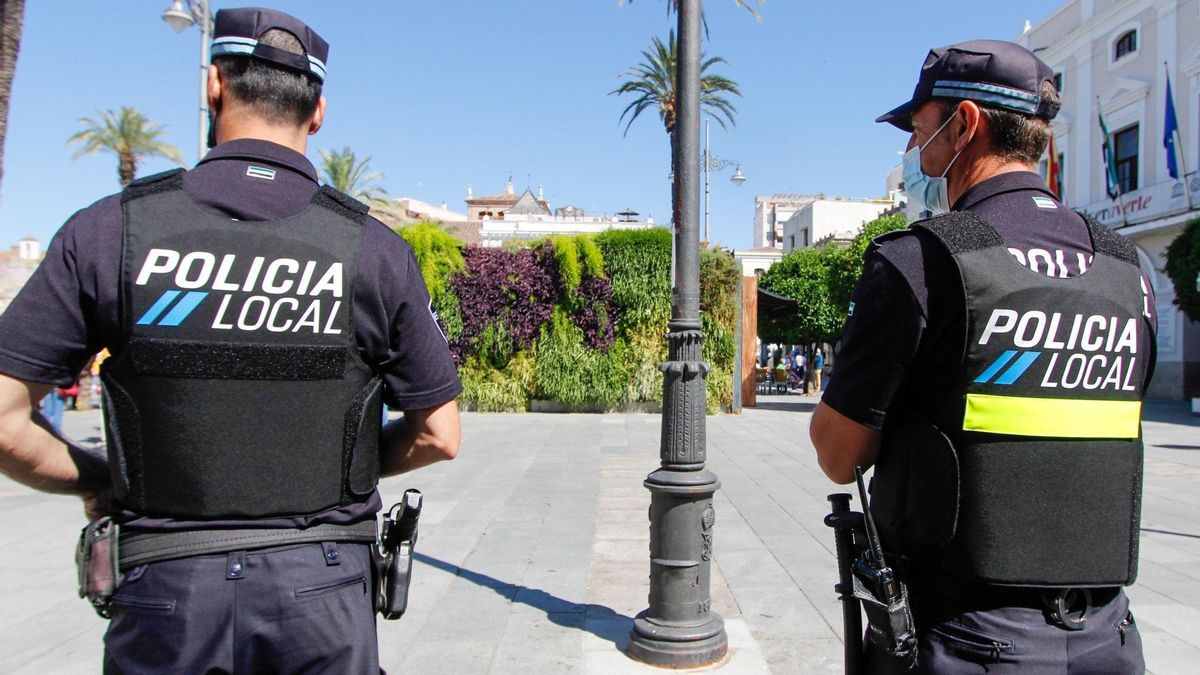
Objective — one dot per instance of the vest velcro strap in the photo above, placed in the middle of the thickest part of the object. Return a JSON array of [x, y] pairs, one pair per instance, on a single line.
[[235, 361], [1052, 417], [140, 549]]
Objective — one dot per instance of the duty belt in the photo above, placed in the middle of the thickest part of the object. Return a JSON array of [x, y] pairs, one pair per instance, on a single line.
[[148, 547]]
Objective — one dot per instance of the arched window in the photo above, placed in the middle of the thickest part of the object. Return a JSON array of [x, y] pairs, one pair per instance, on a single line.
[[1126, 44]]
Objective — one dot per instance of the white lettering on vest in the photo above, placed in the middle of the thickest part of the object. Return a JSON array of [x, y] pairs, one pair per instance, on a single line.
[[271, 325], [330, 281], [1087, 343], [1001, 321], [183, 276], [218, 322], [243, 323], [221, 283], [271, 284], [1022, 338], [158, 261]]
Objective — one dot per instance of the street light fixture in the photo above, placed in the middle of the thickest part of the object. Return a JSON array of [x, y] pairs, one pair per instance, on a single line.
[[180, 16], [679, 628], [712, 163]]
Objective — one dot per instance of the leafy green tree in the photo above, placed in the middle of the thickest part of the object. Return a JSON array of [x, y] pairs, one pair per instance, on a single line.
[[129, 135], [821, 280], [1183, 267]]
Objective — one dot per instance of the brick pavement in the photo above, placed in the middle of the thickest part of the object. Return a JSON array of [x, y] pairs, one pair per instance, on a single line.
[[534, 550]]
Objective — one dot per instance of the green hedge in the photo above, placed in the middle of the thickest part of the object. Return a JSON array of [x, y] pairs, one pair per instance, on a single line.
[[559, 366]]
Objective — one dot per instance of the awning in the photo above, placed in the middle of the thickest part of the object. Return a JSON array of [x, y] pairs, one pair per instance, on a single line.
[[775, 305]]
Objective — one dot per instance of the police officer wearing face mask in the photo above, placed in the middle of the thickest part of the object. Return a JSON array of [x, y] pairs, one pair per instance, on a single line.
[[257, 321], [992, 371]]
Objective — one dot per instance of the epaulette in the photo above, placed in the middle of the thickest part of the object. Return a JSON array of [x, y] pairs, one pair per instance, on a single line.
[[148, 185], [342, 204]]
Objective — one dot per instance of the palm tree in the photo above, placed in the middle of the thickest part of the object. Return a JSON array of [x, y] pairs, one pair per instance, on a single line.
[[654, 84], [129, 135], [653, 81], [349, 175], [12, 13]]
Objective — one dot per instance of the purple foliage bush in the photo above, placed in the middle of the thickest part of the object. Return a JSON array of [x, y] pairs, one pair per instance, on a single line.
[[596, 314], [505, 296]]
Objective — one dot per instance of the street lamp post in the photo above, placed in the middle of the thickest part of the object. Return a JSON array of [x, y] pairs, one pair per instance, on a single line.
[[712, 163], [679, 629], [180, 16]]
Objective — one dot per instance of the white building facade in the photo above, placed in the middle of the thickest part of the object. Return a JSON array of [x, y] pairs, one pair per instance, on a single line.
[[1108, 57], [825, 220], [770, 212]]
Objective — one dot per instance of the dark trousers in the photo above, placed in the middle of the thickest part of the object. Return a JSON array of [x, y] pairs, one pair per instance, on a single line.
[[993, 636], [291, 609]]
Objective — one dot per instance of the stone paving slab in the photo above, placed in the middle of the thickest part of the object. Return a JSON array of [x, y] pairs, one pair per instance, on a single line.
[[534, 551]]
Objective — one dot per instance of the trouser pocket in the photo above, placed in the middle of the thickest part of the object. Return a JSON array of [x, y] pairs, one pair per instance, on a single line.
[[318, 590], [972, 644]]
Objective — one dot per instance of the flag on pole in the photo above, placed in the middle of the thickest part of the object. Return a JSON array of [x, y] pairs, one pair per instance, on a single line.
[[1052, 169], [1170, 128], [1113, 186]]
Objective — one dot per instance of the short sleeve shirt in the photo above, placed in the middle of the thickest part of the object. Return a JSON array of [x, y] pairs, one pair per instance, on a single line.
[[68, 310], [905, 339]]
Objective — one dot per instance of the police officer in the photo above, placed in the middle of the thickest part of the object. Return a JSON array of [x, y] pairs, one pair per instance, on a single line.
[[992, 372], [257, 322]]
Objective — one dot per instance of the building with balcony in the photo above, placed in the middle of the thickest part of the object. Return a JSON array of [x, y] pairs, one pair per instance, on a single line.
[[1112, 58]]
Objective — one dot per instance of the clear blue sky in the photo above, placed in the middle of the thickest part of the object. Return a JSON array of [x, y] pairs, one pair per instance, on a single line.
[[442, 94]]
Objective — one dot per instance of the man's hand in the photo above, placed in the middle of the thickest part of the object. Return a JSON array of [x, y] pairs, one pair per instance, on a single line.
[[98, 505], [842, 443]]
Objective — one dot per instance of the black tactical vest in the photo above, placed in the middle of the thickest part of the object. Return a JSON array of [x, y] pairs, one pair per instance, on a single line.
[[240, 392], [1029, 472]]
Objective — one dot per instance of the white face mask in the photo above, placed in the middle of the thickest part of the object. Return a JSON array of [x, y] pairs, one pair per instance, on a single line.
[[926, 193]]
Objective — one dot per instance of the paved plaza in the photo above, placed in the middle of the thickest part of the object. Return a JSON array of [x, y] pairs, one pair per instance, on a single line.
[[533, 556]]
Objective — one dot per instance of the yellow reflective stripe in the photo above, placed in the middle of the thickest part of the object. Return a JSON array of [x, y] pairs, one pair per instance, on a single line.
[[1056, 417]]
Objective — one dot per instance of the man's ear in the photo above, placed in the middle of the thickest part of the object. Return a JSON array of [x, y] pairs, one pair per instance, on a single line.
[[214, 89], [970, 118], [318, 118]]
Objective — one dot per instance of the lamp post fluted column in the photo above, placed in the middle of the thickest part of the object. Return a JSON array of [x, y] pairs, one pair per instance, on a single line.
[[679, 629]]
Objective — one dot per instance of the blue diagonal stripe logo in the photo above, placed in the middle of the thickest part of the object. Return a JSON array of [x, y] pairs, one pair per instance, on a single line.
[[158, 307], [999, 363], [1018, 368], [178, 313]]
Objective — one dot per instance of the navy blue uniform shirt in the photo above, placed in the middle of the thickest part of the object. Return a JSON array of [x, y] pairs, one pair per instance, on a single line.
[[68, 310], [905, 338]]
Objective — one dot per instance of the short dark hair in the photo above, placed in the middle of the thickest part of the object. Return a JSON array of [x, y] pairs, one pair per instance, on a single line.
[[1015, 136], [279, 94]]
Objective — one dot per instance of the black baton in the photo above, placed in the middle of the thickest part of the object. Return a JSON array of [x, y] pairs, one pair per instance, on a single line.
[[844, 523]]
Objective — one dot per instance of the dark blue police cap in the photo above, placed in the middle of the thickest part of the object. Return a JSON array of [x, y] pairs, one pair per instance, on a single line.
[[991, 72], [237, 32]]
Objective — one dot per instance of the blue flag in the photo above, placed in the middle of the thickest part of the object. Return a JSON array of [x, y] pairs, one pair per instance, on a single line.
[[1170, 127]]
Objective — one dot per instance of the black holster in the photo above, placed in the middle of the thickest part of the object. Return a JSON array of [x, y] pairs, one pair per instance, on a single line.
[[97, 564], [394, 556]]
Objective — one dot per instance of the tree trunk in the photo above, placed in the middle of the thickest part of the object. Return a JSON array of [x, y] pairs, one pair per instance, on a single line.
[[12, 13], [126, 168]]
